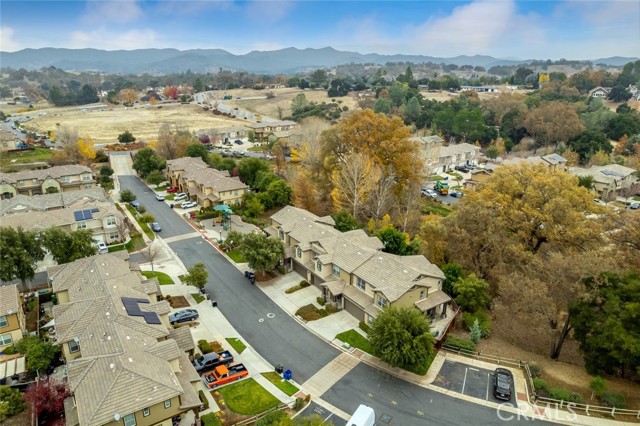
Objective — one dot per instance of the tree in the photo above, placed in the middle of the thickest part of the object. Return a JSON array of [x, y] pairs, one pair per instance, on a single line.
[[86, 148], [166, 144], [39, 354], [5, 92], [619, 93], [597, 385], [21, 251], [353, 183], [382, 106], [11, 402], [587, 143], [126, 137], [307, 140], [433, 240], [248, 169], [413, 109], [262, 253], [452, 272], [338, 87], [304, 193], [197, 150], [127, 96], [66, 246], [402, 337], [198, 86], [126, 196], [586, 181], [475, 332], [492, 152], [600, 158], [606, 324], [552, 122], [147, 160], [252, 205], [397, 242], [278, 193], [472, 293], [155, 177], [622, 124], [47, 397], [105, 173], [197, 275], [345, 221], [298, 103], [151, 252], [68, 137]]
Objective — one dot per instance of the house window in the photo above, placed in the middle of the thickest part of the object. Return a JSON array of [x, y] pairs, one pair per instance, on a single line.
[[381, 301], [3, 321], [336, 271], [87, 185], [167, 403], [421, 294], [86, 176], [73, 346], [370, 320], [111, 221], [281, 234], [129, 420], [235, 192], [361, 284], [5, 339], [319, 266], [299, 252], [65, 178], [114, 235], [146, 412], [34, 181], [81, 225]]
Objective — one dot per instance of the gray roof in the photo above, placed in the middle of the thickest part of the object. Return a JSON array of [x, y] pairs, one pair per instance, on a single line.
[[349, 250], [9, 299], [433, 299], [22, 203], [457, 149], [183, 337], [288, 216], [554, 159], [427, 140], [198, 171], [604, 174], [55, 172]]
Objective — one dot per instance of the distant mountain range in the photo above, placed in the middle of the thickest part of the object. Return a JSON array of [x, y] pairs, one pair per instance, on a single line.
[[287, 61]]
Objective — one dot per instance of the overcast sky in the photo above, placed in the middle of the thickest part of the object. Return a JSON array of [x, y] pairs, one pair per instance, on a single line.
[[578, 29]]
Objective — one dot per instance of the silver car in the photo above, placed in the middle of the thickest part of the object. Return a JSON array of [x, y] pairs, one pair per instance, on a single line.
[[180, 196]]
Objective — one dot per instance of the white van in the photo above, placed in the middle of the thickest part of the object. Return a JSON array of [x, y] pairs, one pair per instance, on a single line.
[[364, 416]]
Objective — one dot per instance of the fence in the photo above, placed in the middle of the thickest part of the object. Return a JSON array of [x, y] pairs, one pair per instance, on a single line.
[[532, 394], [257, 417]]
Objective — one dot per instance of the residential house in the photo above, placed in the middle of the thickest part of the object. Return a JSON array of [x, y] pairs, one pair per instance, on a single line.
[[553, 162], [482, 89], [208, 186], [453, 155], [12, 321], [124, 365], [227, 134], [610, 181], [102, 218], [599, 92], [430, 147], [262, 130], [25, 203], [353, 271], [58, 179]]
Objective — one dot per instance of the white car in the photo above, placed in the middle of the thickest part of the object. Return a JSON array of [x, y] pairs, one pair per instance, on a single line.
[[429, 193], [180, 196], [188, 204], [102, 248], [159, 197]]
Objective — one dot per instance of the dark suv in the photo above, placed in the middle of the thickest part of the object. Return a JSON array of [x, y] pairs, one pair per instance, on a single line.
[[502, 384]]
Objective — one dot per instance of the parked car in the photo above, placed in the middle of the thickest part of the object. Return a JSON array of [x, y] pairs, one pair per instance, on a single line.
[[159, 197], [184, 316], [223, 375], [238, 142], [634, 206], [455, 193], [102, 248], [599, 201], [180, 196], [155, 227], [172, 190], [188, 204], [212, 360], [502, 384], [429, 193], [135, 203]]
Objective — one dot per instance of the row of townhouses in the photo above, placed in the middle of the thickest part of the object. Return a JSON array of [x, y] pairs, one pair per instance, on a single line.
[[12, 321], [439, 158], [56, 179]]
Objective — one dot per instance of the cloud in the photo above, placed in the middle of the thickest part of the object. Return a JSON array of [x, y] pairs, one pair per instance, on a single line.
[[115, 40], [7, 43], [182, 8], [112, 11], [268, 11]]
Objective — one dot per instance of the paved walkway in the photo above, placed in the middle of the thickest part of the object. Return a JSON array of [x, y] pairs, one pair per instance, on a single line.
[[330, 374]]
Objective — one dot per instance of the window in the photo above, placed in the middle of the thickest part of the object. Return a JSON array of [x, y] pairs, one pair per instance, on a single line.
[[167, 403], [299, 252], [235, 192], [319, 266], [281, 234], [5, 339], [65, 178], [114, 235], [129, 420], [381, 301], [361, 284], [87, 186], [3, 321], [146, 412], [73, 346], [369, 319], [336, 271], [111, 221], [421, 294], [86, 176], [81, 225]]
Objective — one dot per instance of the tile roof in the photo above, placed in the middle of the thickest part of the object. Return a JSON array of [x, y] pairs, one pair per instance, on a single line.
[[433, 299], [9, 299], [23, 203], [456, 149], [55, 172], [288, 216], [196, 170], [183, 337], [58, 217], [554, 159], [186, 163]]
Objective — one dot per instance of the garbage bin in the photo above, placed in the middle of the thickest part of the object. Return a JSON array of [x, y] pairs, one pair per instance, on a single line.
[[279, 368], [214, 303], [288, 375]]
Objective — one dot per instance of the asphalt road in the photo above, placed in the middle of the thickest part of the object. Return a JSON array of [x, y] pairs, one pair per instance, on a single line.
[[281, 340]]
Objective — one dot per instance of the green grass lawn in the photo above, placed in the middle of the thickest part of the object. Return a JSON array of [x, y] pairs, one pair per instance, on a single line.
[[248, 397], [144, 226], [135, 243], [284, 386], [236, 344], [170, 197], [236, 256], [255, 148], [434, 178], [356, 340], [422, 369], [30, 156], [435, 208], [198, 297], [163, 278], [210, 420]]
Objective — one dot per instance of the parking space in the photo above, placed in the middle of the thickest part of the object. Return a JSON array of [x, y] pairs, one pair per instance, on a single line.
[[325, 414], [469, 380]]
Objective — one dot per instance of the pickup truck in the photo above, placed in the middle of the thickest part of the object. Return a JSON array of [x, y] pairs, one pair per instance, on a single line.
[[223, 375], [212, 360]]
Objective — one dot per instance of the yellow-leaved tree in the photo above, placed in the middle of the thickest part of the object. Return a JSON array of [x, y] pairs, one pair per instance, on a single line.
[[86, 147], [353, 183]]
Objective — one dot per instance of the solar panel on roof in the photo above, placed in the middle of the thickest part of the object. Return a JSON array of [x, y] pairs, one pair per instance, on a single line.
[[87, 214], [78, 216], [95, 210], [611, 173], [131, 305]]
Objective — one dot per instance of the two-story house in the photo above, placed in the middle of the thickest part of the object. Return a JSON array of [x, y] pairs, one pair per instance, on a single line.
[[355, 274], [430, 147], [12, 324], [56, 179], [610, 181], [126, 365], [60, 200], [453, 155], [262, 130], [208, 186], [553, 162]]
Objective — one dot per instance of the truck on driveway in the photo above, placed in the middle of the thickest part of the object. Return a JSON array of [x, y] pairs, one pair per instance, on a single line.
[[212, 360], [223, 375]]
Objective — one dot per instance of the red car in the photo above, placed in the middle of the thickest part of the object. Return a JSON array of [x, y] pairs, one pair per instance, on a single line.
[[172, 190]]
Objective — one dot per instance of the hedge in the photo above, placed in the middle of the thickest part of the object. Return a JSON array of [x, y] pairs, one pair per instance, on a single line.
[[613, 399], [483, 320], [545, 390], [204, 346], [458, 343]]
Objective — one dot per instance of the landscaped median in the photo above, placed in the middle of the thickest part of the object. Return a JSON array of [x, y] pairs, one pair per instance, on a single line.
[[143, 225], [285, 386], [237, 344], [163, 279]]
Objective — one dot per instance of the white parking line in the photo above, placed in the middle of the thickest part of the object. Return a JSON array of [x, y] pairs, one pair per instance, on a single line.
[[488, 384], [464, 382], [473, 369]]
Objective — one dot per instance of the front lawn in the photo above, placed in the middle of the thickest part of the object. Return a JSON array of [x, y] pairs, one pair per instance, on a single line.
[[135, 243], [285, 386], [236, 344], [163, 278], [198, 297], [28, 156], [248, 397], [236, 256], [170, 197], [435, 208], [356, 340], [144, 226]]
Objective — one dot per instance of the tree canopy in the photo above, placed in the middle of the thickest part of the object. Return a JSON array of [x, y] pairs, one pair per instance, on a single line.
[[21, 251], [262, 253], [146, 160], [66, 246], [197, 275]]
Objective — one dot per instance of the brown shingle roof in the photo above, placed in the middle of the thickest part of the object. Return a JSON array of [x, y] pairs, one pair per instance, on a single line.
[[55, 172], [9, 299]]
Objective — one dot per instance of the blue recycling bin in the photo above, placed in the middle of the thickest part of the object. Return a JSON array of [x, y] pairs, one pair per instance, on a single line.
[[288, 375]]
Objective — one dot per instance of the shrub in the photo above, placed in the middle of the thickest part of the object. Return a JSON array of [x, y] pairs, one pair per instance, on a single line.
[[9, 350], [565, 395], [541, 386], [321, 301], [330, 309], [210, 420], [298, 404], [535, 369], [364, 327], [147, 218], [12, 402], [483, 321], [215, 346], [310, 313], [203, 399], [273, 418], [204, 346], [613, 399], [304, 283], [207, 215], [458, 343], [141, 209], [126, 196]]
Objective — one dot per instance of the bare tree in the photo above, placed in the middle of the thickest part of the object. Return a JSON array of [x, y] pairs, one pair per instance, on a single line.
[[381, 198], [68, 137], [353, 183], [123, 224], [151, 252], [408, 207], [308, 143], [167, 146]]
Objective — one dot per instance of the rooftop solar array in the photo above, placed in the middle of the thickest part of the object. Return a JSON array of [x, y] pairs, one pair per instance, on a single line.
[[133, 309], [611, 173], [84, 214]]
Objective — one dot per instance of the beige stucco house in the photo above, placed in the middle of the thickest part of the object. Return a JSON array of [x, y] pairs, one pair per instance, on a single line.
[[12, 321], [58, 179], [610, 181]]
